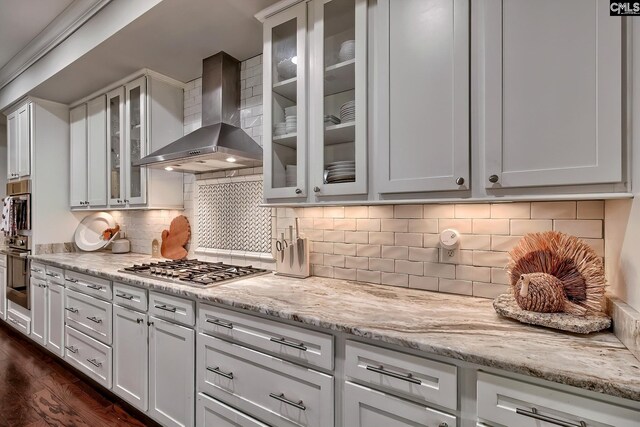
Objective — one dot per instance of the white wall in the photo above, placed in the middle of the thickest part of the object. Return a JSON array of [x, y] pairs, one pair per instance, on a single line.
[[622, 217]]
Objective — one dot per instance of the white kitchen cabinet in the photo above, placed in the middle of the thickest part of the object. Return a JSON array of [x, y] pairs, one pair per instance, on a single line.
[[135, 147], [19, 142], [171, 373], [422, 126], [38, 295], [78, 149], [284, 101], [364, 407], [55, 318], [551, 106], [115, 146], [213, 413], [131, 356]]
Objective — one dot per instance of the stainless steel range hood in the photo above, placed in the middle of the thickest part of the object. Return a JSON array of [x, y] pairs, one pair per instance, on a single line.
[[220, 143]]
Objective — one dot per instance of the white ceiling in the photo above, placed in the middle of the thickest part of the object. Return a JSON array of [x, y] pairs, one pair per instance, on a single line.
[[172, 39], [22, 20]]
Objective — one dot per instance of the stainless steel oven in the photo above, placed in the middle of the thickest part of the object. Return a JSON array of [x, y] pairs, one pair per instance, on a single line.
[[18, 271], [19, 230]]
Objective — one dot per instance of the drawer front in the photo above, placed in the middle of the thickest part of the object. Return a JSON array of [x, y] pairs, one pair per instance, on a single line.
[[288, 342], [54, 275], [271, 389], [213, 413], [364, 407], [88, 355], [130, 296], [172, 308], [516, 403], [20, 323], [89, 285], [404, 374], [38, 270], [89, 315]]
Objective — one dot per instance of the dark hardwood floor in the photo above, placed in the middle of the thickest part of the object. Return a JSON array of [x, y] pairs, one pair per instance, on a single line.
[[39, 390]]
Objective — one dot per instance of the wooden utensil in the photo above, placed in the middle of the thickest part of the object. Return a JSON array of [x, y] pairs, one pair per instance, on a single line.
[[175, 238]]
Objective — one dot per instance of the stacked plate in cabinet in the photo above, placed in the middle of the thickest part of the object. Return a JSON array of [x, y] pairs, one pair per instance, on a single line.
[[348, 111], [347, 50], [290, 124], [342, 171], [290, 175]]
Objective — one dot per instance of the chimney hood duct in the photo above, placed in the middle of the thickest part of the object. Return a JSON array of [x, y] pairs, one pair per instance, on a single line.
[[220, 143]]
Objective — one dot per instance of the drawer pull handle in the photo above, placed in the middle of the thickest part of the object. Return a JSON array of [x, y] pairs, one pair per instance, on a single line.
[[72, 349], [217, 370], [12, 321], [166, 307], [36, 270], [125, 296], [534, 414], [219, 322], [71, 280], [281, 398], [53, 275], [380, 370], [94, 287], [71, 309], [95, 363], [283, 341], [95, 319]]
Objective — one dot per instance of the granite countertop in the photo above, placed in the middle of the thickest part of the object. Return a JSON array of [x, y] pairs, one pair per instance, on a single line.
[[463, 328]]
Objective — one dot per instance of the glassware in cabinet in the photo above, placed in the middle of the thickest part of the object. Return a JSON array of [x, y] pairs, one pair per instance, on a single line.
[[115, 145], [135, 176]]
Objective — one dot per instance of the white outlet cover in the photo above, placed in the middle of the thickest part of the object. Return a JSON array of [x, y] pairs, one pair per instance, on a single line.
[[450, 238]]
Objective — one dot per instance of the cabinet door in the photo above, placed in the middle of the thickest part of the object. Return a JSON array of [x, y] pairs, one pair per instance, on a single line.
[[422, 132], [55, 318], [171, 373], [131, 356], [25, 115], [551, 112], [96, 149], [285, 115], [3, 293], [115, 147], [364, 407], [38, 311], [135, 142], [78, 148], [12, 145], [338, 108]]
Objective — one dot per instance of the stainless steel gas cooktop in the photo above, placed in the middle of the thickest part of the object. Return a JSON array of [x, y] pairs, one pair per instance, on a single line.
[[193, 272]]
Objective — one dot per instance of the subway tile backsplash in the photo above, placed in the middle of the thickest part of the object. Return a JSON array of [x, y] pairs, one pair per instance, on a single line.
[[399, 245]]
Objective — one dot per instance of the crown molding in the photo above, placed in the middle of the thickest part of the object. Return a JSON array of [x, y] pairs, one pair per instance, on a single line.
[[65, 24], [275, 8]]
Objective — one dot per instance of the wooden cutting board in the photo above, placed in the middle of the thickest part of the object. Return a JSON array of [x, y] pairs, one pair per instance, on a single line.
[[175, 238]]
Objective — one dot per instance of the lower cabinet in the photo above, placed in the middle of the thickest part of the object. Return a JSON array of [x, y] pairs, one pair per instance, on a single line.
[[365, 407], [38, 297], [3, 288], [131, 356], [55, 318], [213, 413], [171, 373], [89, 356]]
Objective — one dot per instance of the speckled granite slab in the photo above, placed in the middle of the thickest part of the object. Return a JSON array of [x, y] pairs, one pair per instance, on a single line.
[[506, 305], [626, 323], [463, 328]]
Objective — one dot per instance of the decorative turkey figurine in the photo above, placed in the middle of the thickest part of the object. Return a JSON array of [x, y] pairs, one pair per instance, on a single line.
[[553, 272], [175, 238]]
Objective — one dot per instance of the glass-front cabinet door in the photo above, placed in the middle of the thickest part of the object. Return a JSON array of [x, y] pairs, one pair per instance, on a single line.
[[135, 142], [115, 147], [285, 103], [338, 98]]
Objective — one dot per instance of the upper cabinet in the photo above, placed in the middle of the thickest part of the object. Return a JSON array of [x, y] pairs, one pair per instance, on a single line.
[[19, 142], [423, 104], [122, 126], [317, 48], [551, 92]]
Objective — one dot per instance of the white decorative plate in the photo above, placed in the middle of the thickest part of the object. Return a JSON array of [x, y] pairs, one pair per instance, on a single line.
[[88, 235]]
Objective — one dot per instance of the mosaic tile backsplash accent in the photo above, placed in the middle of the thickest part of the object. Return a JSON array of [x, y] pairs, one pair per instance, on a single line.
[[229, 217], [398, 245]]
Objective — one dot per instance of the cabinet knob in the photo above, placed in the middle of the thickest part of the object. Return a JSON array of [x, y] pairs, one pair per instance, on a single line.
[[493, 179], [149, 323], [125, 201], [316, 189], [139, 320], [298, 191], [460, 181], [443, 425]]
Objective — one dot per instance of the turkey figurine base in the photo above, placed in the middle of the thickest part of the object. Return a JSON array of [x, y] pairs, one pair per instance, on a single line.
[[506, 305]]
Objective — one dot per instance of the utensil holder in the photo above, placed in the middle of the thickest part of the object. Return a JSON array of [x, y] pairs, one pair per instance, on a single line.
[[294, 263]]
